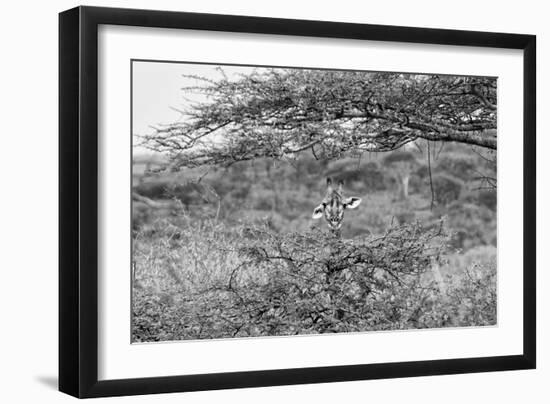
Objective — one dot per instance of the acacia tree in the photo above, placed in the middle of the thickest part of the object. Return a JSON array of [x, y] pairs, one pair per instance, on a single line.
[[401, 165], [279, 113]]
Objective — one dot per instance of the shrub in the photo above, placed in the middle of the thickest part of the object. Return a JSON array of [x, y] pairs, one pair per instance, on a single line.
[[258, 282], [461, 166], [472, 297], [488, 198], [473, 225], [446, 188], [358, 177], [320, 284], [399, 156]]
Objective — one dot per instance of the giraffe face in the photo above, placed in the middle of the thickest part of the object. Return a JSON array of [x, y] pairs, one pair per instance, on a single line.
[[333, 206], [334, 214]]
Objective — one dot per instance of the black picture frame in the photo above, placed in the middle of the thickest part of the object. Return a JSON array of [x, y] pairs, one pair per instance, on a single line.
[[78, 201]]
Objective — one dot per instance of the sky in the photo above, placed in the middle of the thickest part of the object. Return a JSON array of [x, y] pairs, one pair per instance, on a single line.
[[157, 88]]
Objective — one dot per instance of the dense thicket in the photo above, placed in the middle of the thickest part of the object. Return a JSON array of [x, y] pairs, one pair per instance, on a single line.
[[263, 283]]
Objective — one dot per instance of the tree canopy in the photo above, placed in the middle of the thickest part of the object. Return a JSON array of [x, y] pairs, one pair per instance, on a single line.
[[282, 112]]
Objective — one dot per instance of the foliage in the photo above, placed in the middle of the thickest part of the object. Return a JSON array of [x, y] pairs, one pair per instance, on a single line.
[[473, 225], [446, 188], [233, 252], [488, 198], [400, 164], [459, 165], [358, 176], [280, 113], [286, 192], [399, 156], [214, 284]]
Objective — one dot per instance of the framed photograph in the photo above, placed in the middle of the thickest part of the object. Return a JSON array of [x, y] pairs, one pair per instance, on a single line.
[[252, 202]]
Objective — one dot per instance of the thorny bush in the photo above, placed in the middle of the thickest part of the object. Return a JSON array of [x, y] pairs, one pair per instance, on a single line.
[[265, 283]]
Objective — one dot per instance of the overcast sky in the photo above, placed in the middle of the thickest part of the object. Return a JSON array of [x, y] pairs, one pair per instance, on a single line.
[[158, 86]]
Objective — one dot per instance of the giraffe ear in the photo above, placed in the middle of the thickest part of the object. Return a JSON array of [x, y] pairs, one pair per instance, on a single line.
[[318, 212], [352, 203]]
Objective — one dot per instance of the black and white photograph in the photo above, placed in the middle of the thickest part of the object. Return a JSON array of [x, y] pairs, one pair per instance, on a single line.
[[276, 201]]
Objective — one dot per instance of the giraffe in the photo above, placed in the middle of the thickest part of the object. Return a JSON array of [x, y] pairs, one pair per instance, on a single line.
[[333, 206]]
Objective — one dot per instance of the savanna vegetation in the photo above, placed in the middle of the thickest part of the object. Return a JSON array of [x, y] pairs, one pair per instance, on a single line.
[[223, 240]]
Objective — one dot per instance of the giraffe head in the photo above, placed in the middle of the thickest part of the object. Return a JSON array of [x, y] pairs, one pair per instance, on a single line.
[[333, 206]]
